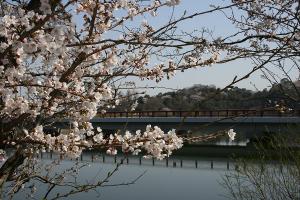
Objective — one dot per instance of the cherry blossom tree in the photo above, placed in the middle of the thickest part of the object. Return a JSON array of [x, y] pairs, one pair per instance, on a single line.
[[65, 59], [268, 33], [52, 68]]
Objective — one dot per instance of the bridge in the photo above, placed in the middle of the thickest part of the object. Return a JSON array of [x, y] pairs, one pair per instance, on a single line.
[[203, 113], [247, 122], [190, 156]]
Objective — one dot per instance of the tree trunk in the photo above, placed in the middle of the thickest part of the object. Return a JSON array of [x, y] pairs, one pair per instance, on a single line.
[[9, 167]]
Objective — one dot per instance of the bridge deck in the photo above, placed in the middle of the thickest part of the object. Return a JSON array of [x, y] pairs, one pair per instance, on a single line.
[[204, 113], [115, 120], [274, 120], [248, 123]]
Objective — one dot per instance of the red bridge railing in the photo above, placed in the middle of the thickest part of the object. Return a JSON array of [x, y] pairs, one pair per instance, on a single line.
[[203, 113]]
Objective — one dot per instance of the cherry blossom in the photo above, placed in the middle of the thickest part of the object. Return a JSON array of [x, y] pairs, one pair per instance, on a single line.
[[231, 134]]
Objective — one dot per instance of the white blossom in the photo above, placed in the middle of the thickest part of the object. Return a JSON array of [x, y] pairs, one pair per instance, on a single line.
[[231, 134]]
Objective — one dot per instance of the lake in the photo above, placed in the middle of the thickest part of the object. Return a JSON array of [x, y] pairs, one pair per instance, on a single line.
[[179, 177]]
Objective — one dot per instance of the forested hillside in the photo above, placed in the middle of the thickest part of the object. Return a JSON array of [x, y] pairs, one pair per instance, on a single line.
[[209, 97]]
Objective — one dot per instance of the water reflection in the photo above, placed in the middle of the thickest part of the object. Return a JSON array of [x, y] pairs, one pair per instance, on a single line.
[[156, 183], [243, 142], [168, 183], [159, 181]]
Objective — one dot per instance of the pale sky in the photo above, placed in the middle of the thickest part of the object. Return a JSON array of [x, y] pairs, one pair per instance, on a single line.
[[219, 75]]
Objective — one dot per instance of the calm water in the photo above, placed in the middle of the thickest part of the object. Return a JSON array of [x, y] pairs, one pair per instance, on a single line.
[[158, 182]]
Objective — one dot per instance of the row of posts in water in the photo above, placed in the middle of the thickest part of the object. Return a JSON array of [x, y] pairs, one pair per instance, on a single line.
[[125, 160]]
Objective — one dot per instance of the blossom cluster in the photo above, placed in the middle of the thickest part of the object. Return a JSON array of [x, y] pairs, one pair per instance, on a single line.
[[153, 142], [231, 134]]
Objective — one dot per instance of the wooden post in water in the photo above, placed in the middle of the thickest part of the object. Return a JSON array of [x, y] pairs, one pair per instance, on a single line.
[[196, 113], [92, 157], [196, 163], [211, 164], [115, 159], [153, 161], [51, 154], [103, 158], [127, 160], [236, 167], [180, 163], [167, 162], [140, 160], [227, 165], [174, 163]]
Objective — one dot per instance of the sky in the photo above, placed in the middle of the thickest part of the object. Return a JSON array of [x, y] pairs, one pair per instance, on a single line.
[[219, 75]]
